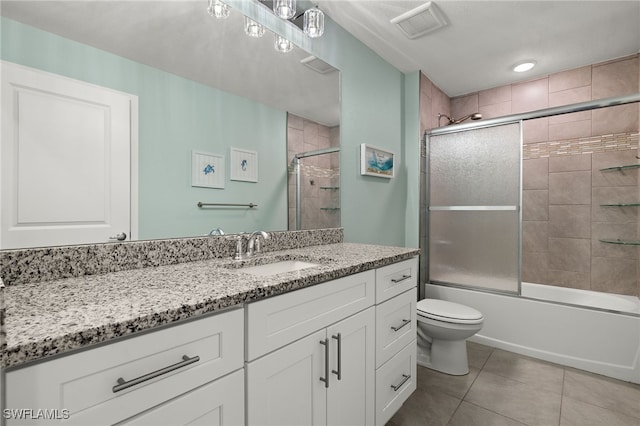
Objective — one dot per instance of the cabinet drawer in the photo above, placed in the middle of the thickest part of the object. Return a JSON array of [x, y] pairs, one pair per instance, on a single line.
[[397, 278], [217, 403], [84, 383], [395, 325], [275, 322], [395, 382]]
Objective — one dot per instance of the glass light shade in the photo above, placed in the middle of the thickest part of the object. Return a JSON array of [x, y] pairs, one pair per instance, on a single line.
[[252, 28], [285, 9], [313, 22], [218, 9], [282, 45]]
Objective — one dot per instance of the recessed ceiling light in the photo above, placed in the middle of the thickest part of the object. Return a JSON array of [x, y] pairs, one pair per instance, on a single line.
[[524, 66]]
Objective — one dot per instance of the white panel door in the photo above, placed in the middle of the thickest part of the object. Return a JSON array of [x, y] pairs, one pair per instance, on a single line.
[[351, 393], [284, 387], [65, 158]]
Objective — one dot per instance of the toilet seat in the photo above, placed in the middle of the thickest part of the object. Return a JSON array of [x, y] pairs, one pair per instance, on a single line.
[[442, 310]]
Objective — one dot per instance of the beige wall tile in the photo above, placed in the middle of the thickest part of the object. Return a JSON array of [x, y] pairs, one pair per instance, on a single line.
[[535, 267], [614, 195], [535, 236], [615, 78], [295, 122], [536, 130], [570, 188], [440, 104], [570, 163], [570, 254], [612, 159], [613, 231], [572, 221], [535, 173], [530, 96], [569, 130], [614, 275], [495, 110], [535, 204], [464, 105], [618, 119], [497, 95], [570, 79], [569, 279], [567, 97]]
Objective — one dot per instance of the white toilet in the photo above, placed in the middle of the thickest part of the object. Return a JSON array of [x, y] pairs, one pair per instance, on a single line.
[[443, 328]]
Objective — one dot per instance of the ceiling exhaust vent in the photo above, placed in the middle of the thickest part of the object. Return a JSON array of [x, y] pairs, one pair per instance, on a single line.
[[318, 65], [420, 21]]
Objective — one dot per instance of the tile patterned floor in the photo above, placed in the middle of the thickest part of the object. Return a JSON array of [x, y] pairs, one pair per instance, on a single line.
[[507, 389]]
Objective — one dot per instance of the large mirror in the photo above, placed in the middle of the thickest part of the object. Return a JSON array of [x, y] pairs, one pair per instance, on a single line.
[[201, 85]]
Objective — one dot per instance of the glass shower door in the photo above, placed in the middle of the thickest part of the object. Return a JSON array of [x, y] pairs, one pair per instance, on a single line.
[[474, 208]]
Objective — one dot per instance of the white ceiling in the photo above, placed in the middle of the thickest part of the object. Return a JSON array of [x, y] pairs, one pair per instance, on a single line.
[[483, 39]]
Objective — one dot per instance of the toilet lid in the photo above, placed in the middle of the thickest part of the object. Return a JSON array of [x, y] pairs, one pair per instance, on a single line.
[[448, 311]]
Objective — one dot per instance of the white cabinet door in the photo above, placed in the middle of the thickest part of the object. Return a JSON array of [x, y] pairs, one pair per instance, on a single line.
[[218, 403], [65, 160], [284, 387], [351, 397]]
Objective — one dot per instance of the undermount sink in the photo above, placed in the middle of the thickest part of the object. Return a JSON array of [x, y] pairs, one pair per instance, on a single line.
[[278, 267]]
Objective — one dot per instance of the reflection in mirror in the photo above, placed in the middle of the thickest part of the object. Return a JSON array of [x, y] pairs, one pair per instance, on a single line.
[[201, 85]]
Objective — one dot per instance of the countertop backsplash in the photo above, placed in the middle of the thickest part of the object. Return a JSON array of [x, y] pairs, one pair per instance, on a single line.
[[53, 263]]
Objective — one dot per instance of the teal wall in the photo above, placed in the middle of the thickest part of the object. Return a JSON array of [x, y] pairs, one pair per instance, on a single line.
[[378, 106], [176, 115]]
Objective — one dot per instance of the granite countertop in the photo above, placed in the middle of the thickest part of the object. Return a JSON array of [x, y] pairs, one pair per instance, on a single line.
[[53, 317]]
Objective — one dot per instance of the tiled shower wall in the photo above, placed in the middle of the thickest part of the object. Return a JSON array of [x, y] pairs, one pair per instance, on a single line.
[[564, 186], [320, 175]]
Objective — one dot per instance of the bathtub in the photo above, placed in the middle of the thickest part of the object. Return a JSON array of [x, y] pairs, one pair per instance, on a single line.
[[593, 339]]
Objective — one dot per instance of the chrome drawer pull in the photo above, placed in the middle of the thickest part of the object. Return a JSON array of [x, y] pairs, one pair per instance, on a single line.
[[403, 278], [399, 385], [124, 384], [404, 322], [325, 379], [338, 372]]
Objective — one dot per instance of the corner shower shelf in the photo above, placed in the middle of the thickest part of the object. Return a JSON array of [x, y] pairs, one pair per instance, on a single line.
[[329, 208], [622, 242], [620, 168], [335, 188], [621, 205]]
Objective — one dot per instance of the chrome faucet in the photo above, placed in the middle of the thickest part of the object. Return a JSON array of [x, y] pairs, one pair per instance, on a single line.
[[253, 244]]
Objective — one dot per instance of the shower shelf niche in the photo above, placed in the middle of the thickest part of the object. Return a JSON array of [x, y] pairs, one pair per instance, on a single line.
[[620, 168], [330, 208], [335, 188], [621, 242], [621, 205]]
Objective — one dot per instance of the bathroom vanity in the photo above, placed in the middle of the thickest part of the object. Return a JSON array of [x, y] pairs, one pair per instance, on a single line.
[[332, 343]]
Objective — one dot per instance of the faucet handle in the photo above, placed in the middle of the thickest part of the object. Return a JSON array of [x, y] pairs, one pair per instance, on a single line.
[[238, 239]]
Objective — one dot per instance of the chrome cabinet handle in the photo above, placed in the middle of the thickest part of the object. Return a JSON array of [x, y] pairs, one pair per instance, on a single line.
[[124, 384], [325, 379], [402, 382], [404, 322], [120, 237], [403, 278], [338, 372]]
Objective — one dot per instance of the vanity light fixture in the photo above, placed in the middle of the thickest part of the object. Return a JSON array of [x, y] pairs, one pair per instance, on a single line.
[[218, 9], [285, 9], [252, 28], [524, 66], [313, 23], [282, 45]]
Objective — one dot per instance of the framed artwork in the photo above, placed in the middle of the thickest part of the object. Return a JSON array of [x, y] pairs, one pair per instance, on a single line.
[[376, 162], [244, 165], [207, 170]]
